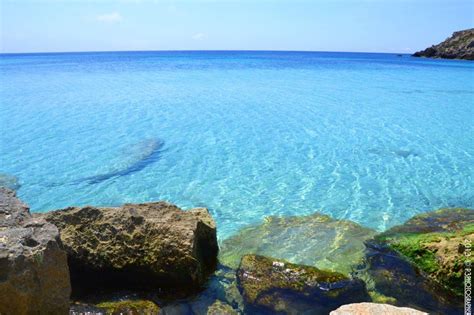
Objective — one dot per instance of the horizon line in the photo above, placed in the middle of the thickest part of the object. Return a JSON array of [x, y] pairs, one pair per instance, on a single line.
[[199, 50]]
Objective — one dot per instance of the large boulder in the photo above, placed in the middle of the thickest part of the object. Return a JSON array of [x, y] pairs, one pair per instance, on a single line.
[[34, 276], [138, 246], [374, 309], [273, 286], [315, 240]]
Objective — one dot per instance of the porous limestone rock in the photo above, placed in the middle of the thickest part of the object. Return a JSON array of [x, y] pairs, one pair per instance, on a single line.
[[34, 276], [138, 246]]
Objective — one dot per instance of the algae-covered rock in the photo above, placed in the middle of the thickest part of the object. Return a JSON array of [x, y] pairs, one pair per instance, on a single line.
[[315, 240], [220, 308], [442, 220], [435, 242], [275, 286], [34, 276], [398, 281], [122, 306], [374, 309], [152, 246], [129, 307]]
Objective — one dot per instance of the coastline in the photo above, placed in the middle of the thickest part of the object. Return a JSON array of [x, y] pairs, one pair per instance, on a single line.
[[235, 289]]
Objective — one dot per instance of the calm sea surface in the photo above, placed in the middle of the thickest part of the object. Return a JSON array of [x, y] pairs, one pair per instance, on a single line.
[[374, 138]]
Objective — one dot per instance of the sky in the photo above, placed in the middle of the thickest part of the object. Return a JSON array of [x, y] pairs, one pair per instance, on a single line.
[[402, 26]]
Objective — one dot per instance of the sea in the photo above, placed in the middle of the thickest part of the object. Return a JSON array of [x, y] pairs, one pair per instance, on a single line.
[[373, 138]]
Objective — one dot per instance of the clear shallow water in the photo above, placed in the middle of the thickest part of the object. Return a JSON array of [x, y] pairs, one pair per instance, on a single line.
[[373, 138]]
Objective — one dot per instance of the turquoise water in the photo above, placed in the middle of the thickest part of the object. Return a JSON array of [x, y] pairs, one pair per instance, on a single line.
[[374, 138]]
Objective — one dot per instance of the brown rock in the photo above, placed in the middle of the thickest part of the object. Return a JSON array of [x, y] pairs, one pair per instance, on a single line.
[[138, 246], [273, 286], [34, 276]]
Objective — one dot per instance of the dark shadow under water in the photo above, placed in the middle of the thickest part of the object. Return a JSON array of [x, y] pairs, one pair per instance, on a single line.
[[151, 153]]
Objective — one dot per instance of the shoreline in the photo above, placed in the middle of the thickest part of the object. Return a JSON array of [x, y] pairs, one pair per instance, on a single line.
[[377, 246]]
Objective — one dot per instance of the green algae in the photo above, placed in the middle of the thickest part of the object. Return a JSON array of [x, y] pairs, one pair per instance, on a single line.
[[277, 273], [129, 307], [272, 285], [380, 298], [434, 243]]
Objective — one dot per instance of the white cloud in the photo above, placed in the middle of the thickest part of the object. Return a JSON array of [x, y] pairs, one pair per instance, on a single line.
[[112, 17], [199, 36]]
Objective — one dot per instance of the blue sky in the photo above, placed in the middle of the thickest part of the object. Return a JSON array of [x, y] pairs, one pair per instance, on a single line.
[[318, 25]]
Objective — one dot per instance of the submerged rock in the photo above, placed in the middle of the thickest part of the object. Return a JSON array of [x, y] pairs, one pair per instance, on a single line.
[[34, 276], [272, 286], [220, 308], [9, 181], [374, 309], [315, 240], [435, 242], [421, 263], [152, 246], [395, 280], [459, 46], [220, 296]]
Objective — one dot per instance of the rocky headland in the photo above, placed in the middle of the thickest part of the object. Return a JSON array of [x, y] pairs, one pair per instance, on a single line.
[[155, 258], [459, 46]]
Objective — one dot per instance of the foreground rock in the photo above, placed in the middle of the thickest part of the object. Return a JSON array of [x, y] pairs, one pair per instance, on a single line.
[[152, 246], [34, 276], [275, 286], [115, 307], [459, 46], [374, 309], [436, 242], [421, 262], [130, 307], [315, 240]]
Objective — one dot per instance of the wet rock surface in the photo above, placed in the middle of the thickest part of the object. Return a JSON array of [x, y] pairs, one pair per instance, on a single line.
[[34, 276], [459, 46], [421, 263], [153, 246], [435, 242], [221, 296], [374, 309], [315, 240], [442, 220], [130, 307], [272, 286], [395, 280]]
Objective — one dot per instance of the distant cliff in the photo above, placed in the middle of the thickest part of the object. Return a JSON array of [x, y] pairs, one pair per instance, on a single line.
[[459, 46]]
